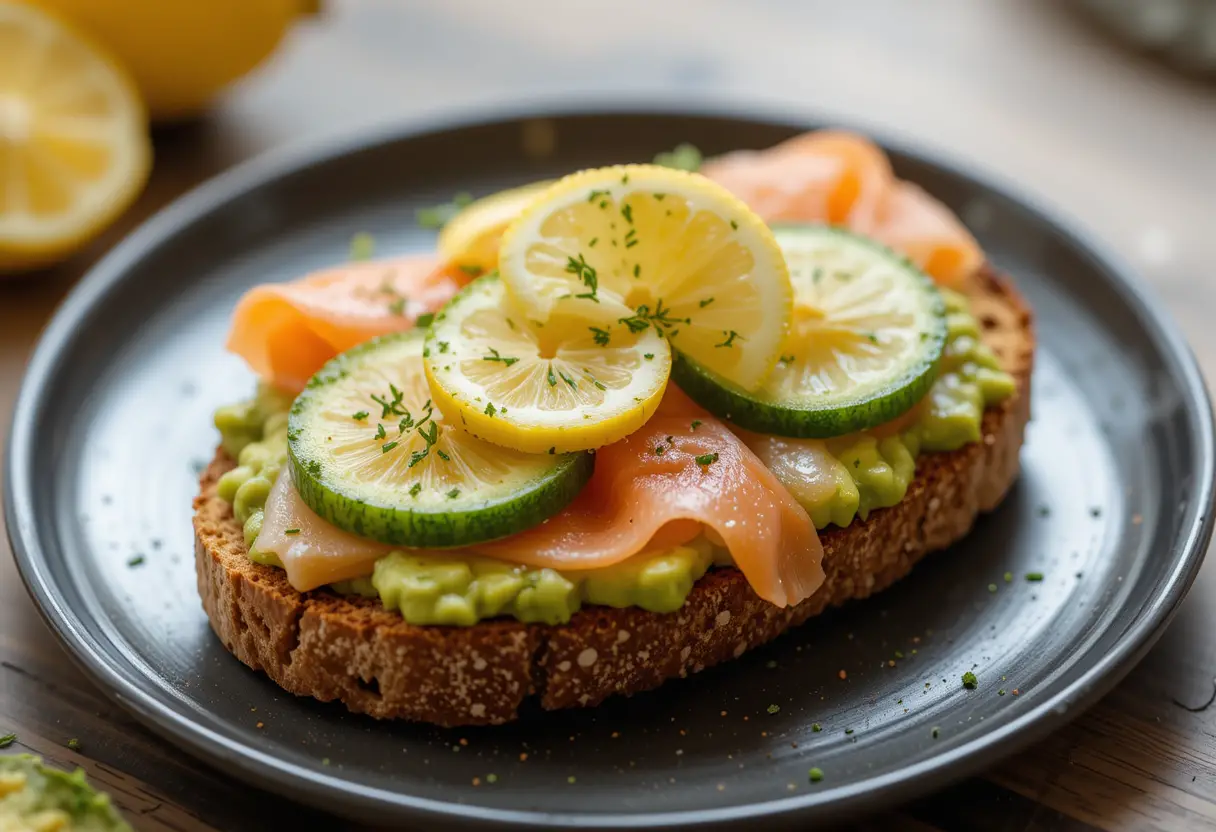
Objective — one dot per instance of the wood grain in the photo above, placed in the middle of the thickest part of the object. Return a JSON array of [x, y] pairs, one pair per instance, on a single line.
[[1023, 88]]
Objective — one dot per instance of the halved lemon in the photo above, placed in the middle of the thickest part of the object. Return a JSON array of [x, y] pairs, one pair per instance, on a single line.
[[470, 240], [686, 257], [74, 150], [576, 381]]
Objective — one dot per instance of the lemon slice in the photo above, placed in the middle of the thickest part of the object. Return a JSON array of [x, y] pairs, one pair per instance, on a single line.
[[683, 254], [74, 150], [470, 240], [570, 383]]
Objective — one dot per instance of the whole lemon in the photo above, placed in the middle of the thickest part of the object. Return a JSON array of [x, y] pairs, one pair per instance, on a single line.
[[181, 53]]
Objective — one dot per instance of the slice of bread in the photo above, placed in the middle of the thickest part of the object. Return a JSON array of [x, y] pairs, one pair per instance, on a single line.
[[348, 648]]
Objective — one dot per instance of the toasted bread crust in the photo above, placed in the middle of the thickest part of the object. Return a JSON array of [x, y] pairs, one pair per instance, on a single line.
[[331, 647]]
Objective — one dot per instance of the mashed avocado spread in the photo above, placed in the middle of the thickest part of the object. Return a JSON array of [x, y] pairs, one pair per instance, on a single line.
[[37, 798], [862, 472]]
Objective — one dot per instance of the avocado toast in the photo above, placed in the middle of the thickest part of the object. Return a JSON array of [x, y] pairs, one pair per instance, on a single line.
[[925, 458]]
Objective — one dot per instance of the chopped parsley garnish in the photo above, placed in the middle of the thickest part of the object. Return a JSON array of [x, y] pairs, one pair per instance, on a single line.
[[969, 681], [788, 359], [391, 404], [397, 307], [443, 455], [137, 560], [7, 740], [696, 423], [471, 270], [707, 459], [552, 378], [568, 380], [706, 302], [1034, 577], [816, 727], [74, 744], [362, 246], [430, 438], [637, 270], [490, 409], [816, 774], [380, 434], [848, 730], [591, 243], [360, 416], [437, 216], [494, 356], [591, 197], [424, 320], [443, 346], [388, 446], [658, 450], [660, 317], [872, 337], [415, 489], [734, 225], [601, 336], [731, 335], [454, 493], [631, 243], [405, 424], [292, 531], [772, 709], [586, 273], [627, 213], [684, 157], [649, 356]]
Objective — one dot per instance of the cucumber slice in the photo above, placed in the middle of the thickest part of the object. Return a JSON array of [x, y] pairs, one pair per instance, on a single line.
[[864, 345], [370, 454]]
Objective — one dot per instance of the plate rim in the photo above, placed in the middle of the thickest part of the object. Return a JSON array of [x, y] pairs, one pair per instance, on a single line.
[[318, 789]]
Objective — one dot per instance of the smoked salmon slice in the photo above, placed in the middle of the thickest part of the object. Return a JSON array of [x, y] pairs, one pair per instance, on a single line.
[[682, 473], [286, 331], [840, 178]]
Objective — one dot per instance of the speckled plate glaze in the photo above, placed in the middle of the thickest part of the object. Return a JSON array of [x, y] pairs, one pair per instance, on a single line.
[[1112, 509]]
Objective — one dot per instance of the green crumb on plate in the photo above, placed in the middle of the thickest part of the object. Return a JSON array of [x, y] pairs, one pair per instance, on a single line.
[[816, 774], [969, 681]]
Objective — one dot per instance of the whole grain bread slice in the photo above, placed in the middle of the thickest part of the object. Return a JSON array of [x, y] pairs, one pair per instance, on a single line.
[[351, 649]]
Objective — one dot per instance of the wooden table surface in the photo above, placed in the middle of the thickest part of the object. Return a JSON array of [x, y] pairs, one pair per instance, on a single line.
[[1020, 87]]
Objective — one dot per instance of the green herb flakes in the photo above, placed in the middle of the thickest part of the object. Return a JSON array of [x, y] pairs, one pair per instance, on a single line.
[[707, 459], [683, 157], [362, 246], [970, 682]]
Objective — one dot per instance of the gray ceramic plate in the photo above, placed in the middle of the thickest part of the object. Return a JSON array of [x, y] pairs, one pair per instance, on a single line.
[[113, 424]]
